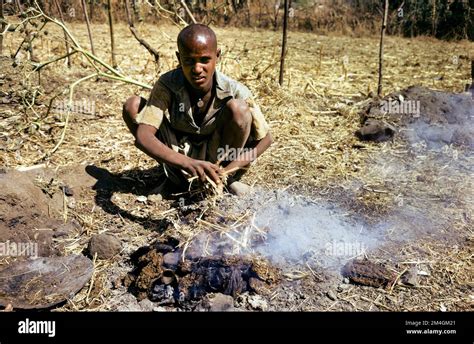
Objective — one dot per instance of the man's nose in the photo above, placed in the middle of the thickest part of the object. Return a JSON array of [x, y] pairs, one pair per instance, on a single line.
[[197, 68]]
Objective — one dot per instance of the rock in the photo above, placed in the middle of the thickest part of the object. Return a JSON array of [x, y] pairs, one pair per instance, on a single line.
[[217, 303], [154, 199], [146, 305], [159, 309], [43, 282], [345, 280], [342, 287], [105, 245], [257, 302], [410, 277], [142, 199], [374, 130], [68, 191], [368, 273], [171, 259], [330, 294]]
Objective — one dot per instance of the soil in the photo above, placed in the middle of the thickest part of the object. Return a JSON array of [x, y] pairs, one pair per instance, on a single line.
[[313, 119]]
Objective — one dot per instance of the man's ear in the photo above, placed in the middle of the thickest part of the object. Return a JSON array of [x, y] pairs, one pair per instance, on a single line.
[[218, 52], [177, 56]]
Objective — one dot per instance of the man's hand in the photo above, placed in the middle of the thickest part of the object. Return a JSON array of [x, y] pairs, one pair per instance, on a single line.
[[201, 169]]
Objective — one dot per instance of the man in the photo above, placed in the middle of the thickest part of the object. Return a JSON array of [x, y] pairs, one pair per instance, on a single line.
[[197, 117]]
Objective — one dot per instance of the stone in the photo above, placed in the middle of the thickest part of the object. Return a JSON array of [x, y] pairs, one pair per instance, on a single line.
[[257, 302], [146, 305], [410, 277], [374, 130], [330, 294], [105, 245]]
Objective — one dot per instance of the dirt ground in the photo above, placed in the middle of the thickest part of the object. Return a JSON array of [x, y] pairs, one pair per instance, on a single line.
[[421, 197]]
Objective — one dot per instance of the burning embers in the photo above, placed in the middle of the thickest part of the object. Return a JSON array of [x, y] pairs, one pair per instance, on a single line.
[[166, 276]]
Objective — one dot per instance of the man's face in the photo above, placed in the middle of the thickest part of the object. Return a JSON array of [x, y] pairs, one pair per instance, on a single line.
[[198, 61]]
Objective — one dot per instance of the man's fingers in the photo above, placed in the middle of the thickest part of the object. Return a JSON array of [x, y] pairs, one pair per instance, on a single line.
[[201, 173], [213, 174]]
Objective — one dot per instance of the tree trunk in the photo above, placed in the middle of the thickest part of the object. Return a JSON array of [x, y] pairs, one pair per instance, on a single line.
[[2, 27], [283, 45], [66, 39], [384, 26], [112, 40], [86, 17]]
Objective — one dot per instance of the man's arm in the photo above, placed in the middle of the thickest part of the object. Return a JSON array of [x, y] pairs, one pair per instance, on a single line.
[[246, 157], [149, 143]]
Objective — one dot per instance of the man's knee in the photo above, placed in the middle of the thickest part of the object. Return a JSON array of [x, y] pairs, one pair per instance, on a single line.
[[239, 113], [131, 108]]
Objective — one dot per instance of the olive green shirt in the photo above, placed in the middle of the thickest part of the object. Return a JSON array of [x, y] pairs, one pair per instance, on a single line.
[[170, 98]]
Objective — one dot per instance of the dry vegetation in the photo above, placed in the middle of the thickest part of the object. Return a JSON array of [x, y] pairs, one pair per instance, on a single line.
[[328, 80]]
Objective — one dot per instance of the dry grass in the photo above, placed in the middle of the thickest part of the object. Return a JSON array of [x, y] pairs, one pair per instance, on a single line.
[[313, 118]]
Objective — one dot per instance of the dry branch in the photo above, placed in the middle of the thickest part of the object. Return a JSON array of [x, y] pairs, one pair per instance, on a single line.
[[188, 11], [144, 43]]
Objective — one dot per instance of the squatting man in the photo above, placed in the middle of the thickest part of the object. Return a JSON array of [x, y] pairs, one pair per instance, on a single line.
[[195, 116]]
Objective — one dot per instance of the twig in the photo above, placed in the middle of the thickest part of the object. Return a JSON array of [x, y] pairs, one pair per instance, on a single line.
[[188, 11], [145, 44], [71, 91], [44, 64]]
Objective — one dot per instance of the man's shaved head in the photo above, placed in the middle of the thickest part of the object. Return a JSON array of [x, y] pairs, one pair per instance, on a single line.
[[196, 34], [197, 54]]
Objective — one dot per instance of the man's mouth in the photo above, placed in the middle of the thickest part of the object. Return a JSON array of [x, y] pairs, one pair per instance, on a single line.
[[198, 79]]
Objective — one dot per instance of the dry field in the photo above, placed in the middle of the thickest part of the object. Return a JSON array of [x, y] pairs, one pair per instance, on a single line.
[[328, 81]]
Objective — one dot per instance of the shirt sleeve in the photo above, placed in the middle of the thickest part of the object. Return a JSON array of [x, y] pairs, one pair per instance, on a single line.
[[159, 101]]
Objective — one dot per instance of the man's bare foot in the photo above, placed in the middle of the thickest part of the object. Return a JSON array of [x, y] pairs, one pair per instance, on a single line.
[[239, 188]]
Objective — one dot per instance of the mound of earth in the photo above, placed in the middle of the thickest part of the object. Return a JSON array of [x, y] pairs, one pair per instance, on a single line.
[[423, 115], [33, 270]]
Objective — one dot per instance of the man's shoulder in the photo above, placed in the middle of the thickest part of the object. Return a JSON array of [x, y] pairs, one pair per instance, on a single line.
[[174, 79], [232, 86]]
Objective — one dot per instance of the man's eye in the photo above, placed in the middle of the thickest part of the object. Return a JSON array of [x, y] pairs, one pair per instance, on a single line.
[[188, 62], [205, 60]]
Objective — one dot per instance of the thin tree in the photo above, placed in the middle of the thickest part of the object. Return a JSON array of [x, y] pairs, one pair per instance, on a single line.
[[86, 17], [66, 39], [2, 27], [283, 45], [112, 40], [384, 26]]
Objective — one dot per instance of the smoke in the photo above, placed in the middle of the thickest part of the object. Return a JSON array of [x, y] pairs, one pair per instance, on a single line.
[[426, 177], [292, 230]]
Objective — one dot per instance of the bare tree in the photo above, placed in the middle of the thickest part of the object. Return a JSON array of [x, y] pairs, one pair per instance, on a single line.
[[2, 27], [111, 26], [66, 39], [384, 26], [283, 45], [86, 17]]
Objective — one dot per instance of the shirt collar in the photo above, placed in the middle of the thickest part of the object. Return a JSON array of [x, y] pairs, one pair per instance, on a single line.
[[222, 87]]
